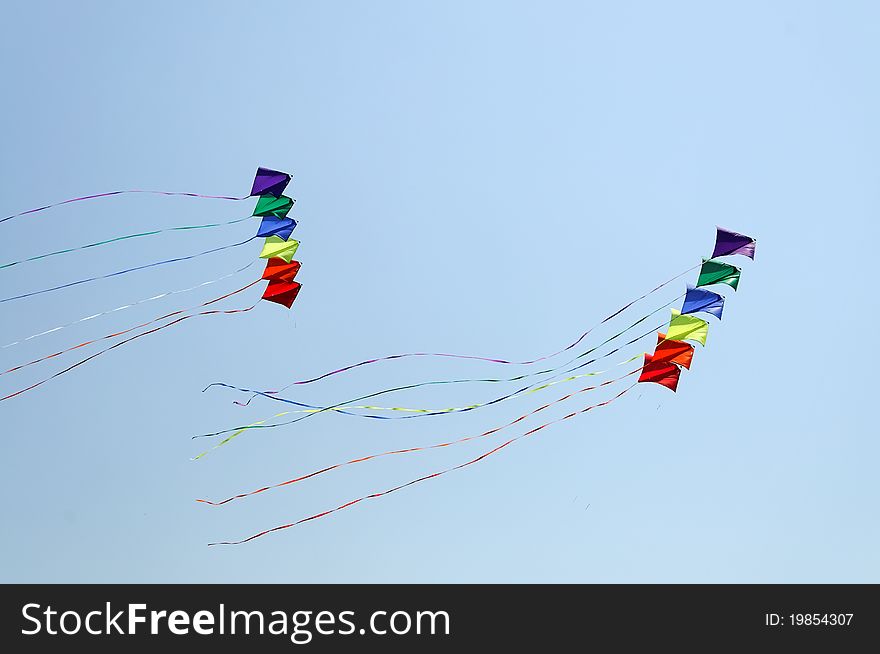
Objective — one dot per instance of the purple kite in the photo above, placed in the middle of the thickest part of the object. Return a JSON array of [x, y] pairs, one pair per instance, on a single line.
[[727, 243], [269, 182]]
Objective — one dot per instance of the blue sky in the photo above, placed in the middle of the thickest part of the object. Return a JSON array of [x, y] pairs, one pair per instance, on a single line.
[[483, 178]]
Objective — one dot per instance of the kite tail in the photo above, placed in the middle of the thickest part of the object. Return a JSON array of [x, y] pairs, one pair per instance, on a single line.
[[433, 475], [129, 330], [128, 270], [410, 450], [127, 237], [127, 306], [477, 358], [121, 343], [106, 195], [237, 431]]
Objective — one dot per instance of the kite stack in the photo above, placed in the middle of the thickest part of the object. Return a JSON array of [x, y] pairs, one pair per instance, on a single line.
[[672, 352], [276, 227]]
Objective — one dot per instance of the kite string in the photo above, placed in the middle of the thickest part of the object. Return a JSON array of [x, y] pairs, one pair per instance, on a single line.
[[104, 195], [410, 450], [432, 475]]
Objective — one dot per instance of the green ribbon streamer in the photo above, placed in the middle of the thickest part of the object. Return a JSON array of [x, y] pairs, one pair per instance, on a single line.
[[125, 238]]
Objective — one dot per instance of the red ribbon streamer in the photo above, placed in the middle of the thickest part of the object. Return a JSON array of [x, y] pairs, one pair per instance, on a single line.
[[433, 475]]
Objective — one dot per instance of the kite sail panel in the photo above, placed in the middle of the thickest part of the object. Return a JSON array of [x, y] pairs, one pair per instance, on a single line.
[[277, 247], [270, 182], [717, 272], [269, 205], [687, 328], [729, 243], [276, 227], [283, 293], [668, 351], [280, 270], [699, 299], [280, 227], [660, 372]]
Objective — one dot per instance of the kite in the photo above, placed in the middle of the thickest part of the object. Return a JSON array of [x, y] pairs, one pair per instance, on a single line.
[[660, 372], [728, 243], [276, 247], [271, 206], [276, 226], [280, 227], [283, 293], [269, 182], [699, 299], [281, 270], [678, 352], [687, 328], [672, 354], [718, 272], [674, 345]]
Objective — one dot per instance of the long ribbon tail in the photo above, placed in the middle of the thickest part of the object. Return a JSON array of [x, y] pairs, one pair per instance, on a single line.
[[127, 306], [234, 432], [129, 330], [106, 195], [422, 412], [433, 475], [274, 394], [260, 424], [487, 359], [124, 238], [410, 450], [238, 431], [127, 270], [121, 343]]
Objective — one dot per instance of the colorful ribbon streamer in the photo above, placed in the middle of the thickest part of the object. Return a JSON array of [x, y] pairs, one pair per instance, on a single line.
[[124, 238], [410, 450], [130, 329], [127, 306], [121, 343], [126, 271], [433, 475], [478, 358], [105, 195], [237, 431]]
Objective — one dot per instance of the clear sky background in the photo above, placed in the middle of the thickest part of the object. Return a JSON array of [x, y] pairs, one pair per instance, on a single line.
[[473, 177]]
